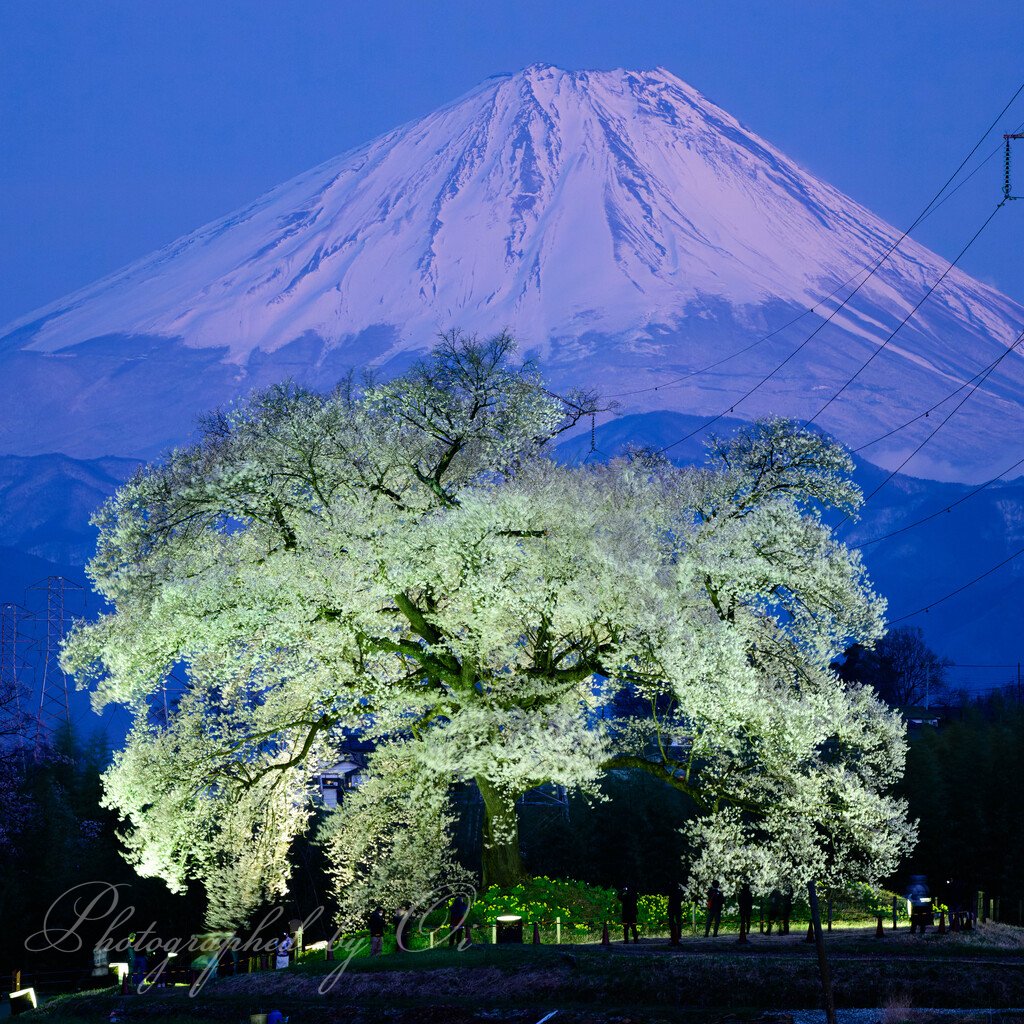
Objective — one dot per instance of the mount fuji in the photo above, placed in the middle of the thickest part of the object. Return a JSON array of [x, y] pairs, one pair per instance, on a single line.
[[628, 232], [624, 228]]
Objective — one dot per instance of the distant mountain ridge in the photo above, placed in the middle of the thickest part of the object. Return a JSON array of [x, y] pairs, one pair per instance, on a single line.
[[46, 501], [625, 228]]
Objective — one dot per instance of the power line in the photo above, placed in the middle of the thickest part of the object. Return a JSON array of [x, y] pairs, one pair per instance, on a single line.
[[947, 508], [1010, 684], [961, 588], [982, 373], [768, 376], [810, 309], [988, 372], [924, 298], [732, 355], [824, 323], [914, 419], [953, 191], [937, 200], [958, 665], [746, 348]]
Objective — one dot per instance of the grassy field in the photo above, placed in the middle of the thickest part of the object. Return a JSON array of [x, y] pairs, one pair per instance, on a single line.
[[702, 981]]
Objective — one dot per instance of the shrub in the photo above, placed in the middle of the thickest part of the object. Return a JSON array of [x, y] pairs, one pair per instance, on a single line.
[[580, 907]]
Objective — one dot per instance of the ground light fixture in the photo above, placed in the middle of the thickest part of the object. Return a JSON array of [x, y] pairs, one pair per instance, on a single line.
[[23, 1000], [509, 929]]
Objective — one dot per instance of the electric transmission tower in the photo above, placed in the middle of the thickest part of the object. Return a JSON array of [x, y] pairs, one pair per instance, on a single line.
[[14, 669], [54, 703]]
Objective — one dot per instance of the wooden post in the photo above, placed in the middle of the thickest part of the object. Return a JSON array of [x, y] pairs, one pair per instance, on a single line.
[[605, 939], [823, 968], [536, 934], [494, 934], [879, 933], [828, 903], [894, 912], [558, 931]]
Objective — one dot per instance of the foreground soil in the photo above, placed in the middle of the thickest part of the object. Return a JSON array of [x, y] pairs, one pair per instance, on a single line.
[[714, 980]]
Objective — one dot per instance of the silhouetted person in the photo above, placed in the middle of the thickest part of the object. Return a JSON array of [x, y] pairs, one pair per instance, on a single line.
[[715, 903], [130, 957], [774, 910], [746, 903], [139, 969], [627, 897], [675, 913], [457, 920], [787, 910], [959, 904], [919, 904], [375, 923]]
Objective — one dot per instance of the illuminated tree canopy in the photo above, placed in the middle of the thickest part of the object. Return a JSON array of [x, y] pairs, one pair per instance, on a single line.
[[407, 560]]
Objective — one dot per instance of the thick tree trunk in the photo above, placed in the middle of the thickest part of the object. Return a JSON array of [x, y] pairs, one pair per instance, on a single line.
[[502, 864], [819, 942]]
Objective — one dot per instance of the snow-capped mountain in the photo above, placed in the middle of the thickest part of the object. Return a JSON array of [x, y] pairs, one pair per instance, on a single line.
[[626, 230]]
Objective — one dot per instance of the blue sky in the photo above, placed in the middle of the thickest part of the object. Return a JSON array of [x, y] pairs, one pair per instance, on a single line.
[[126, 124]]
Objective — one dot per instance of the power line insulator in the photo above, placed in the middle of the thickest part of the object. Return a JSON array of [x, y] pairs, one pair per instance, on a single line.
[[1007, 185]]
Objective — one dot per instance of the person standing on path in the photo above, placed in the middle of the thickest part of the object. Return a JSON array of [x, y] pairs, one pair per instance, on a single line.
[[375, 922], [746, 902], [787, 910], [714, 909], [457, 920], [628, 899], [284, 946], [675, 913], [774, 910]]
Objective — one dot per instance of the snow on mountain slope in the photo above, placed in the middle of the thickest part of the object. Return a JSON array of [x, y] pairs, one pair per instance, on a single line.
[[624, 228]]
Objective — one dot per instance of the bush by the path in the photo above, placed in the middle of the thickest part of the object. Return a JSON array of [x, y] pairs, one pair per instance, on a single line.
[[580, 907]]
